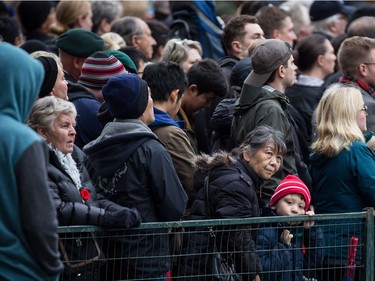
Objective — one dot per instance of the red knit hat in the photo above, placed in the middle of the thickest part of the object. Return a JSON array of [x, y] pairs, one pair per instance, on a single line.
[[98, 68], [291, 185]]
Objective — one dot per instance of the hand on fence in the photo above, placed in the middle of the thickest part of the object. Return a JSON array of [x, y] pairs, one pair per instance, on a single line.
[[125, 218], [286, 237], [310, 213]]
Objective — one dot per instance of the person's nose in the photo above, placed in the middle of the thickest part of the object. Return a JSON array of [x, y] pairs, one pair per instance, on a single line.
[[73, 131]]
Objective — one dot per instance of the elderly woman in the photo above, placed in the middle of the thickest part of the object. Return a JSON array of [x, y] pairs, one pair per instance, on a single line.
[[71, 189], [184, 52], [229, 190], [340, 146]]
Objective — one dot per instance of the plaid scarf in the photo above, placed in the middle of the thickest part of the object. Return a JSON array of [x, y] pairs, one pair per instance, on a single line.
[[361, 84]]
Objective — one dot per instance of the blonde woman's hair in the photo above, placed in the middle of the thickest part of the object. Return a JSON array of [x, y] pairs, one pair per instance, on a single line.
[[113, 41], [191, 44], [336, 119], [177, 50], [67, 14]]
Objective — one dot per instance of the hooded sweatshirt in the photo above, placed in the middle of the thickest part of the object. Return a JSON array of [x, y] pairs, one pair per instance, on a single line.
[[28, 220]]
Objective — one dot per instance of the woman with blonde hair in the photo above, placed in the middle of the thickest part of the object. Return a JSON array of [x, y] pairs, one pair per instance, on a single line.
[[184, 52], [342, 169], [72, 14]]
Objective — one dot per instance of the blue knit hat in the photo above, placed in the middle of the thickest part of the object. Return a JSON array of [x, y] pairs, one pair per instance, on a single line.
[[126, 96]]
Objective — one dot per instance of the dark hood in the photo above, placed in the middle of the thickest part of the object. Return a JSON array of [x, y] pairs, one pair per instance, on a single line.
[[116, 144]]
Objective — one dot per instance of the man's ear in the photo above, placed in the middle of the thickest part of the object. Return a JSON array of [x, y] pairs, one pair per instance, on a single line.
[[134, 40], [275, 34], [281, 71], [362, 69], [173, 97], [236, 46], [192, 89], [320, 60]]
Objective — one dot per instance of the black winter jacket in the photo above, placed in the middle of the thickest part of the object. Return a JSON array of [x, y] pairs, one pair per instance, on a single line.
[[232, 194], [72, 211], [132, 168]]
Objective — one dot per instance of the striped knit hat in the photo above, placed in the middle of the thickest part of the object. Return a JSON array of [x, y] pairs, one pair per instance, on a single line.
[[98, 68], [291, 185]]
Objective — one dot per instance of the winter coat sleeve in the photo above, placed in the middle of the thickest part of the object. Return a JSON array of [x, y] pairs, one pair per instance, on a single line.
[[38, 214], [169, 196], [71, 210], [275, 255]]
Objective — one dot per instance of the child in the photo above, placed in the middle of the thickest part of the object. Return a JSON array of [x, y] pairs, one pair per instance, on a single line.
[[282, 245]]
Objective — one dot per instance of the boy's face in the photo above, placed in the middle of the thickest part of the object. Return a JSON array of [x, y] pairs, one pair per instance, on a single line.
[[192, 102], [290, 205]]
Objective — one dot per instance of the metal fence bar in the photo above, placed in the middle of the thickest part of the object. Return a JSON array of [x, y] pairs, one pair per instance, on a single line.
[[370, 227]]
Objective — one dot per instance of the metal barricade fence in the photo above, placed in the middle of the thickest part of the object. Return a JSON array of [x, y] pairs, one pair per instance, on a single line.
[[235, 248]]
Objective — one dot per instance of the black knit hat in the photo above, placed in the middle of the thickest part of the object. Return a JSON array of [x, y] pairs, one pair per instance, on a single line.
[[33, 14], [50, 75], [126, 96], [34, 45], [79, 42]]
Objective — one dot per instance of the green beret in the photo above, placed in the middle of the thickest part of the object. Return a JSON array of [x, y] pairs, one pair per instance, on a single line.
[[80, 42], [124, 59]]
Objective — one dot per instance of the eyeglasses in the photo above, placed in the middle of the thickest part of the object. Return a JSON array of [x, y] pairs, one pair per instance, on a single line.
[[364, 108], [369, 63]]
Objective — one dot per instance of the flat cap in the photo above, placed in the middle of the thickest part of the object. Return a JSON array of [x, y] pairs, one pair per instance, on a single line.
[[79, 42]]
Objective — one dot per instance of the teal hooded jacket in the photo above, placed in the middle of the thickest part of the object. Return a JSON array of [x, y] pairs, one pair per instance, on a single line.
[[28, 221]]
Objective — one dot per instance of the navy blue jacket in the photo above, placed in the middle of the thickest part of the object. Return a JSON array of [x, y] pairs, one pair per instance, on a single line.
[[286, 262]]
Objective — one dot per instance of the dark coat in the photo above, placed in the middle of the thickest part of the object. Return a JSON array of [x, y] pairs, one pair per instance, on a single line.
[[72, 211], [286, 262], [233, 194], [132, 168]]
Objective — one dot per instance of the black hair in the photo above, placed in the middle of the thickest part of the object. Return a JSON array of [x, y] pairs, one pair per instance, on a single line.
[[208, 77], [163, 78]]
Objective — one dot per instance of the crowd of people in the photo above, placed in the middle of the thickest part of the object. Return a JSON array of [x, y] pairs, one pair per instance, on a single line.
[[114, 117]]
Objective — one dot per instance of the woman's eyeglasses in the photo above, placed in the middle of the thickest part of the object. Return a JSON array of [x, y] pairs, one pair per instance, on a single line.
[[364, 108]]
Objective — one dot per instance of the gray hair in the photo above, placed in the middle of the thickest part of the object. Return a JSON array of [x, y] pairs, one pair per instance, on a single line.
[[127, 27], [258, 138], [255, 140], [104, 10], [47, 110], [322, 25]]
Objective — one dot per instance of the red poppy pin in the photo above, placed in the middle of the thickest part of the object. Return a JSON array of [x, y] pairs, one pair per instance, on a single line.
[[85, 193]]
